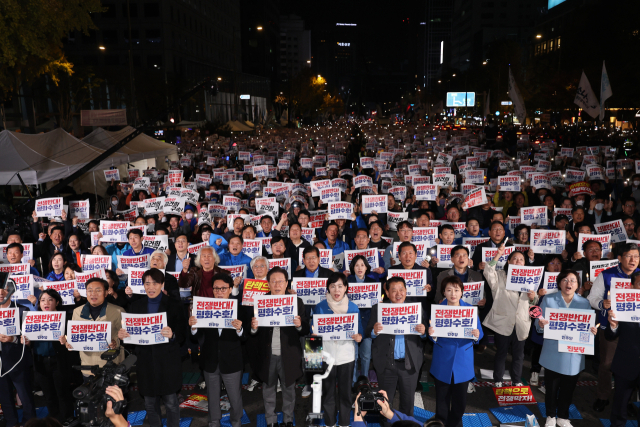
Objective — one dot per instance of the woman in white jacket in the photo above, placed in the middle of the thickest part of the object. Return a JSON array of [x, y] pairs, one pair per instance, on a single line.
[[508, 318]]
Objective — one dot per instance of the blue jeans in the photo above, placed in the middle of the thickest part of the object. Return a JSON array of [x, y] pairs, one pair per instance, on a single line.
[[363, 352]]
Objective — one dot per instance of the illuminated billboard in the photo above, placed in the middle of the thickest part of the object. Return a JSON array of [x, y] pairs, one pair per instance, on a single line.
[[553, 3], [457, 99]]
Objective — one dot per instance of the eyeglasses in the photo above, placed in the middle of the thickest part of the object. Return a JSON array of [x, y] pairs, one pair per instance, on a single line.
[[279, 282], [220, 289], [593, 251], [573, 281], [311, 258], [95, 291], [629, 206], [259, 266], [632, 257]]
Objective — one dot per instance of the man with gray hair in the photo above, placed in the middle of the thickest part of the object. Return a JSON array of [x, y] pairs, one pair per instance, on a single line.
[[259, 266]]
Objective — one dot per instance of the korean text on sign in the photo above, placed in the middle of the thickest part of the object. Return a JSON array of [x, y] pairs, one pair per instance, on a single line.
[[335, 327], [416, 280], [524, 279], [275, 310], [252, 288], [89, 336], [454, 322], [399, 319], [311, 291], [365, 295], [473, 292], [517, 395], [9, 321], [44, 326], [548, 241], [567, 324], [625, 303], [215, 312], [144, 329]]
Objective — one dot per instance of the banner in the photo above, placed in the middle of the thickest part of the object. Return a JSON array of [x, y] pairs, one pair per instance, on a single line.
[[275, 310], [625, 303], [252, 288], [570, 324], [136, 261], [335, 327], [453, 321], [65, 289], [49, 208], [9, 321], [365, 295], [548, 241], [516, 395], [524, 279], [399, 319], [613, 228], [376, 203], [473, 292], [509, 183], [89, 336], [43, 326], [215, 312], [311, 291]]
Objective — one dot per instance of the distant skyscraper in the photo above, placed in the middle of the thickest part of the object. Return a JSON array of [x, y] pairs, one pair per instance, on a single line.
[[295, 46]]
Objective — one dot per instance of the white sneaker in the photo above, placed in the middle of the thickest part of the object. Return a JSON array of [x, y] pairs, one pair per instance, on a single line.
[[563, 423], [471, 388], [306, 391], [497, 384], [517, 384], [253, 384], [551, 422], [543, 389], [534, 380]]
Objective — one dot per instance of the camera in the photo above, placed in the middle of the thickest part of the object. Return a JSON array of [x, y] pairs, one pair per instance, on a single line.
[[91, 398], [368, 400]]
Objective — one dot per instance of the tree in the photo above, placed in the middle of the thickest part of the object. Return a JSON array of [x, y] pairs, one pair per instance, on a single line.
[[31, 34], [72, 92]]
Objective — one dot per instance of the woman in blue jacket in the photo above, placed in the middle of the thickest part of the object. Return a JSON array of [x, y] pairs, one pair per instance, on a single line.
[[561, 369], [361, 273], [452, 364], [344, 353]]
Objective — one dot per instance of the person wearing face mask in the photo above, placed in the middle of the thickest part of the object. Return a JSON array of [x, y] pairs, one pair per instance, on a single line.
[[508, 318], [188, 218], [600, 209], [633, 190]]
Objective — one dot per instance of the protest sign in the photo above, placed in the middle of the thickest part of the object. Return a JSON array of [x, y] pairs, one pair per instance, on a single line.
[[399, 319], [173, 205], [65, 289], [24, 286], [330, 195], [426, 192], [444, 180], [444, 159], [318, 186], [154, 206], [453, 321], [613, 228], [252, 248], [135, 261], [340, 210], [515, 395], [311, 291], [275, 310], [79, 209], [175, 177], [550, 283], [524, 279], [595, 172], [569, 347], [251, 288], [394, 218], [15, 268], [604, 239], [548, 241], [474, 176], [475, 198], [144, 329], [362, 181], [563, 211], [377, 203], [625, 303], [488, 254], [426, 235], [509, 183], [534, 215], [399, 193], [443, 253], [617, 283], [88, 335], [366, 162], [96, 262], [284, 263], [49, 208], [365, 295], [335, 327], [569, 324], [473, 292], [371, 256], [135, 280], [83, 278], [472, 242], [597, 267], [43, 326], [215, 312], [231, 203], [158, 242], [112, 174], [416, 280], [10, 321]]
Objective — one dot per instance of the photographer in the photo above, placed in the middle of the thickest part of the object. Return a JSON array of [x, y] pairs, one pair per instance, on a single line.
[[160, 367], [391, 415]]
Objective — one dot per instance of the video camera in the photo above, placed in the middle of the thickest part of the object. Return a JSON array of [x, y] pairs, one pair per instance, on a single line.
[[91, 398], [368, 400]]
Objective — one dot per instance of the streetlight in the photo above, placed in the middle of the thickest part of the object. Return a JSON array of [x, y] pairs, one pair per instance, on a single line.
[[259, 28], [484, 62], [219, 79], [539, 36], [101, 47]]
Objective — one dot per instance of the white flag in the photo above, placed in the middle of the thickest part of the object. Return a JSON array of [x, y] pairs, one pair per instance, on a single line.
[[486, 105], [605, 90], [516, 97], [586, 99]]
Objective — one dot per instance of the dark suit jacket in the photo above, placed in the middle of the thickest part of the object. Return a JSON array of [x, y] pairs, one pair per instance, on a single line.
[[290, 348], [294, 251], [45, 251], [626, 360], [159, 366], [224, 350], [171, 262], [382, 347], [474, 276], [477, 255], [324, 273], [426, 302]]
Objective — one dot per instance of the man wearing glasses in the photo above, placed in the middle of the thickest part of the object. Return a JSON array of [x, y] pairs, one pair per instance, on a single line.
[[591, 251], [279, 353], [599, 299], [628, 209]]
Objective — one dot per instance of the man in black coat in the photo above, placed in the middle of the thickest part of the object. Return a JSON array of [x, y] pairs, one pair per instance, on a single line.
[[397, 366], [311, 268], [280, 354], [221, 355], [625, 365], [496, 236], [45, 248], [160, 366]]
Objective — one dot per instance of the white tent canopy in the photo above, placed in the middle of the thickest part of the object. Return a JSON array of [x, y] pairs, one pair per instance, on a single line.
[[46, 157], [141, 147]]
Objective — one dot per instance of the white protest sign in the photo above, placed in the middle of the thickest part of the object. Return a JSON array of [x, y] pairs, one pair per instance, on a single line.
[[399, 319], [10, 321], [96, 262], [215, 312], [340, 210], [473, 292], [43, 325], [335, 327], [89, 336], [524, 279], [65, 289], [376, 203], [534, 215], [488, 254], [49, 208], [158, 243], [415, 280], [613, 228], [114, 231], [112, 174], [509, 183], [144, 329], [275, 310], [310, 290], [550, 283], [548, 241], [83, 278], [79, 209], [454, 321], [365, 295], [426, 192], [135, 261], [569, 324]]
